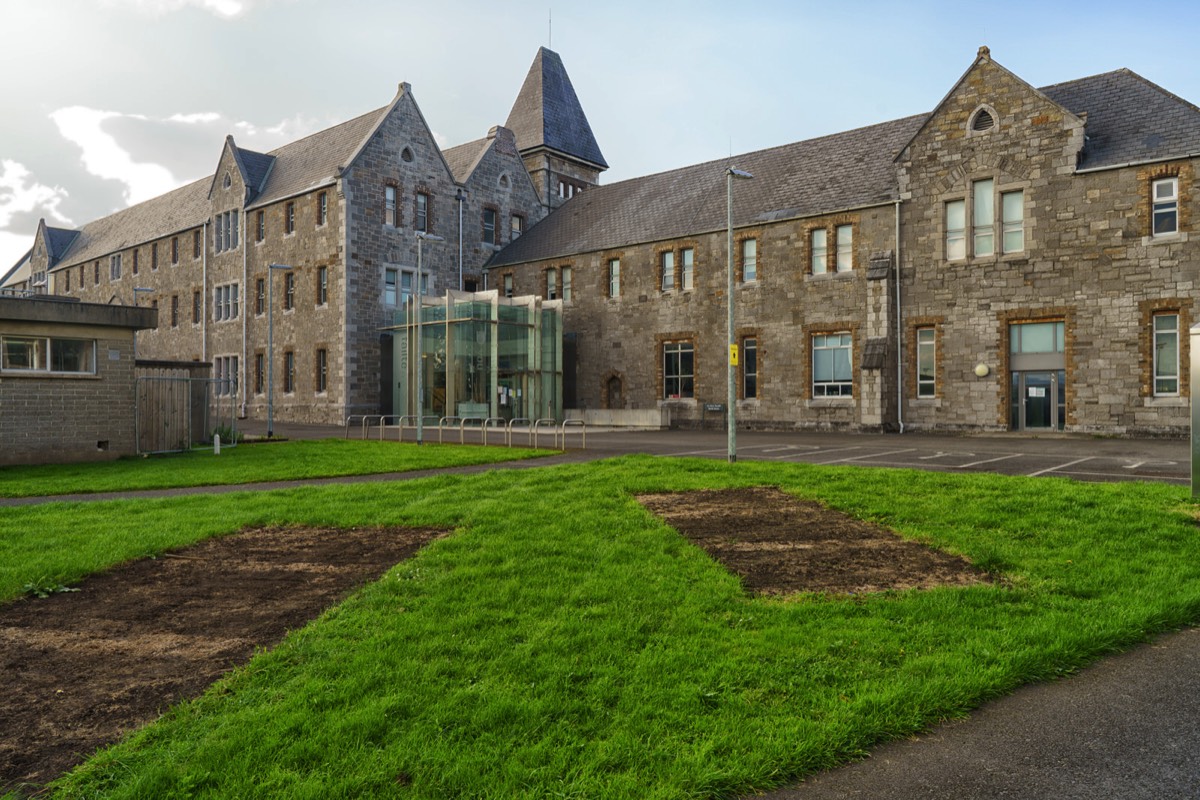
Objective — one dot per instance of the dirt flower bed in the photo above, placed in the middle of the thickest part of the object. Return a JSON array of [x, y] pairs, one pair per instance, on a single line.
[[779, 544], [84, 667]]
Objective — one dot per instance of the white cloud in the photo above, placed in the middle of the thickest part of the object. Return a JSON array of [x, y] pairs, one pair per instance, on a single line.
[[23, 197], [194, 119], [20, 194], [222, 8], [105, 158]]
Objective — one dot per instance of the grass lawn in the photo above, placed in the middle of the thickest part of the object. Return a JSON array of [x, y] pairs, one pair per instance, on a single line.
[[565, 643], [248, 463]]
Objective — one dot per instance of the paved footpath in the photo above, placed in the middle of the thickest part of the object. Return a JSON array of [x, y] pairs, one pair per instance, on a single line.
[[1127, 728]]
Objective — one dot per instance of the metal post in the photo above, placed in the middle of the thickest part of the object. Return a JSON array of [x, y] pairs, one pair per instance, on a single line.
[[731, 377], [1194, 360], [271, 347], [420, 364]]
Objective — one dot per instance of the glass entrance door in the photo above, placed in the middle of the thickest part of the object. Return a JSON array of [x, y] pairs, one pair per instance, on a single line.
[[1038, 400]]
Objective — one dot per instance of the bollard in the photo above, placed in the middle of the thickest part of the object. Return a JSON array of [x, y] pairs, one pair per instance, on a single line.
[[216, 444]]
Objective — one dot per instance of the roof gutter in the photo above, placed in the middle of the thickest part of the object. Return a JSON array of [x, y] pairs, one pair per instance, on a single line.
[[1141, 163]]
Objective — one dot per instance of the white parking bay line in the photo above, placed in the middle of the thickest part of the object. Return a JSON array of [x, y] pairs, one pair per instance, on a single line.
[[867, 455], [987, 461], [1061, 466]]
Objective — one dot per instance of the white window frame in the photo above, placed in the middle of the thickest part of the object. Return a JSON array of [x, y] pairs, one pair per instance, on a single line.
[[552, 284], [614, 277], [687, 268], [1166, 370], [844, 236], [684, 381], [1012, 225], [983, 217], [749, 367], [1165, 204], [225, 302], [835, 385], [927, 353], [956, 230], [749, 260], [391, 287], [666, 269], [818, 242], [566, 284], [41, 355]]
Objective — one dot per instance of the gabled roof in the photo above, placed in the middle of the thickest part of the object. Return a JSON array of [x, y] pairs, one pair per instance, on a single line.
[[1129, 119], [257, 167], [464, 158], [178, 210], [846, 170], [547, 113], [16, 275], [58, 241], [314, 160]]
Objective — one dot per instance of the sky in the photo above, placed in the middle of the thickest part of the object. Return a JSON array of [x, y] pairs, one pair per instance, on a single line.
[[107, 103]]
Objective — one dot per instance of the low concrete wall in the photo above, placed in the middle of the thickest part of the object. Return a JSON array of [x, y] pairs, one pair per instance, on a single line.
[[648, 418]]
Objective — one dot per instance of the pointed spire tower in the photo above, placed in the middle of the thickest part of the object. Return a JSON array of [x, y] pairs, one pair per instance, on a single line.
[[553, 134]]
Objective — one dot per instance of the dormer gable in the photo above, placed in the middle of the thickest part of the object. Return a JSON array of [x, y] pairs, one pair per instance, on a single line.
[[987, 107]]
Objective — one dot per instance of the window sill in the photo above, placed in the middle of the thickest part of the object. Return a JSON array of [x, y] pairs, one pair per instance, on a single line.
[[926, 402], [828, 276], [42, 376], [1170, 401], [1165, 238], [830, 402], [686, 402]]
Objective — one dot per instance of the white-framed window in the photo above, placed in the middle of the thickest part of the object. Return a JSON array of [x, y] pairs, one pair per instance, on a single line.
[[289, 372], [48, 354], [516, 225], [289, 218], [749, 260], [750, 367], [289, 291], [1012, 221], [1166, 355], [508, 285], [678, 370], [956, 230], [225, 302], [566, 284], [322, 286], [983, 217], [114, 267], [225, 236], [489, 226], [926, 362], [818, 242], [322, 208], [687, 262], [845, 248], [225, 371], [551, 284], [666, 263], [614, 277], [322, 370], [1166, 206], [831, 357], [391, 281], [422, 220], [389, 206]]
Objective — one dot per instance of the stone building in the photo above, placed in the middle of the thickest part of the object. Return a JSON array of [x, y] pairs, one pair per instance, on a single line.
[[1016, 259], [328, 227]]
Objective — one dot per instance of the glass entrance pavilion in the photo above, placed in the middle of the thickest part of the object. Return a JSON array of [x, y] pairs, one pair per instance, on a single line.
[[482, 356]]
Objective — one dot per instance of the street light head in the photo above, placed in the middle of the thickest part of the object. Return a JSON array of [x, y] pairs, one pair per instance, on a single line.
[[278, 266], [430, 237], [738, 173]]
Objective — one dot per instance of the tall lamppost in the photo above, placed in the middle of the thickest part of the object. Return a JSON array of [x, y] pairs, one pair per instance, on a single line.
[[422, 237], [731, 420], [271, 346]]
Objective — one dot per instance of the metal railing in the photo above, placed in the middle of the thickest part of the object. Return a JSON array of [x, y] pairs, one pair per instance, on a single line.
[[533, 429]]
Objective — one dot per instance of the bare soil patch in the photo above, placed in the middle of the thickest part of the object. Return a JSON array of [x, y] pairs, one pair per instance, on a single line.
[[779, 544], [82, 668]]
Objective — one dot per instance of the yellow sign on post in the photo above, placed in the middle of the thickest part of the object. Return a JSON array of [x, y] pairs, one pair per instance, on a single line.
[[733, 351]]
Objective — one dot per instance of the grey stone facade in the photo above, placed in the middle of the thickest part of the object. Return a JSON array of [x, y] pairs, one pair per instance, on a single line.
[[1079, 160]]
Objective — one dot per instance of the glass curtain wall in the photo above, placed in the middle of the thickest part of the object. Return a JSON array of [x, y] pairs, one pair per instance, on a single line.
[[483, 356]]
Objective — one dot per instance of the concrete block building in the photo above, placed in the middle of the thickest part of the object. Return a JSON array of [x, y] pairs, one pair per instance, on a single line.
[[1017, 259]]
